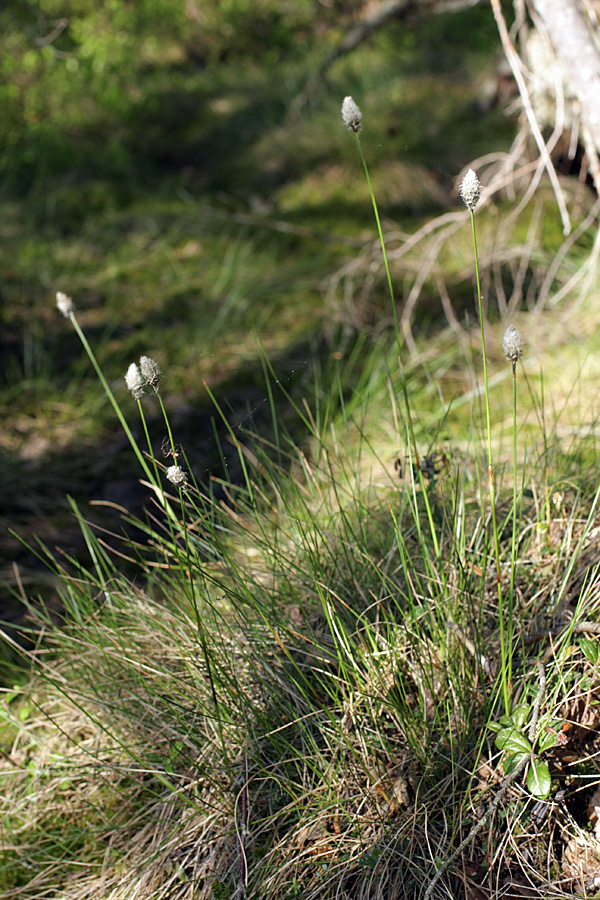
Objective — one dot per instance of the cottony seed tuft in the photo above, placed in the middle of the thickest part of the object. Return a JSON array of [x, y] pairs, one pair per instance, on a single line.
[[65, 304], [351, 115], [150, 371], [134, 381], [469, 189], [177, 476], [512, 344]]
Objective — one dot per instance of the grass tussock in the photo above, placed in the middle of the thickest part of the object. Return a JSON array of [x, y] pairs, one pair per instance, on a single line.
[[299, 693], [362, 663]]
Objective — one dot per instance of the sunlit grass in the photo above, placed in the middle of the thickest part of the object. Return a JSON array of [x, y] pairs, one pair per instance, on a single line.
[[320, 693], [286, 683]]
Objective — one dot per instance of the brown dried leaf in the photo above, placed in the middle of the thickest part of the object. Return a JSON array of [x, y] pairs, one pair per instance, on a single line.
[[401, 794], [311, 833], [580, 861]]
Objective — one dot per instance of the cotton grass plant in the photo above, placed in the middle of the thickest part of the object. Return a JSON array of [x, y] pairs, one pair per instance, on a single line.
[[512, 347], [352, 119], [470, 191], [294, 695]]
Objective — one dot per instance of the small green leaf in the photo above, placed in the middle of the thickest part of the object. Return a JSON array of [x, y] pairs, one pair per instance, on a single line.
[[538, 779], [512, 761], [547, 740], [590, 649], [518, 743], [512, 741], [520, 715], [502, 737]]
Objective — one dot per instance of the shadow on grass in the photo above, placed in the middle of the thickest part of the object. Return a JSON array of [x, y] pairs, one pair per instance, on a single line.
[[105, 470]]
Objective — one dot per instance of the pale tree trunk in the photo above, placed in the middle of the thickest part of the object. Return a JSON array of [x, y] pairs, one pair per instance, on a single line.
[[578, 54]]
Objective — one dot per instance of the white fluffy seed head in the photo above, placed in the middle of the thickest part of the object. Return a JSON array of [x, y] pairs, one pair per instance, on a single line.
[[134, 381], [469, 189], [351, 115], [512, 344], [150, 371], [65, 304], [177, 476]]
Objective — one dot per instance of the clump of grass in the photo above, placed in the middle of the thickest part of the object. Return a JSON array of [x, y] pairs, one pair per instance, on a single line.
[[302, 691]]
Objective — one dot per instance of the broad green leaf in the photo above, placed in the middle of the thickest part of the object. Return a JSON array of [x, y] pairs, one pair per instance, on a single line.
[[590, 648], [538, 779], [502, 737], [518, 743], [512, 741]]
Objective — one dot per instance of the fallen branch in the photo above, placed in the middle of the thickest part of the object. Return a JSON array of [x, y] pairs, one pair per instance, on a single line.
[[388, 9]]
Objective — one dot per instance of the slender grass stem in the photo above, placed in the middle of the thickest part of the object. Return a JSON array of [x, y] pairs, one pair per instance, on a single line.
[[187, 577], [504, 674], [411, 430], [513, 546], [512, 345], [111, 397]]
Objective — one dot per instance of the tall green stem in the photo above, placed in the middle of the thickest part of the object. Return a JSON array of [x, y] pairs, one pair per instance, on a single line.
[[504, 677], [513, 549], [409, 421]]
